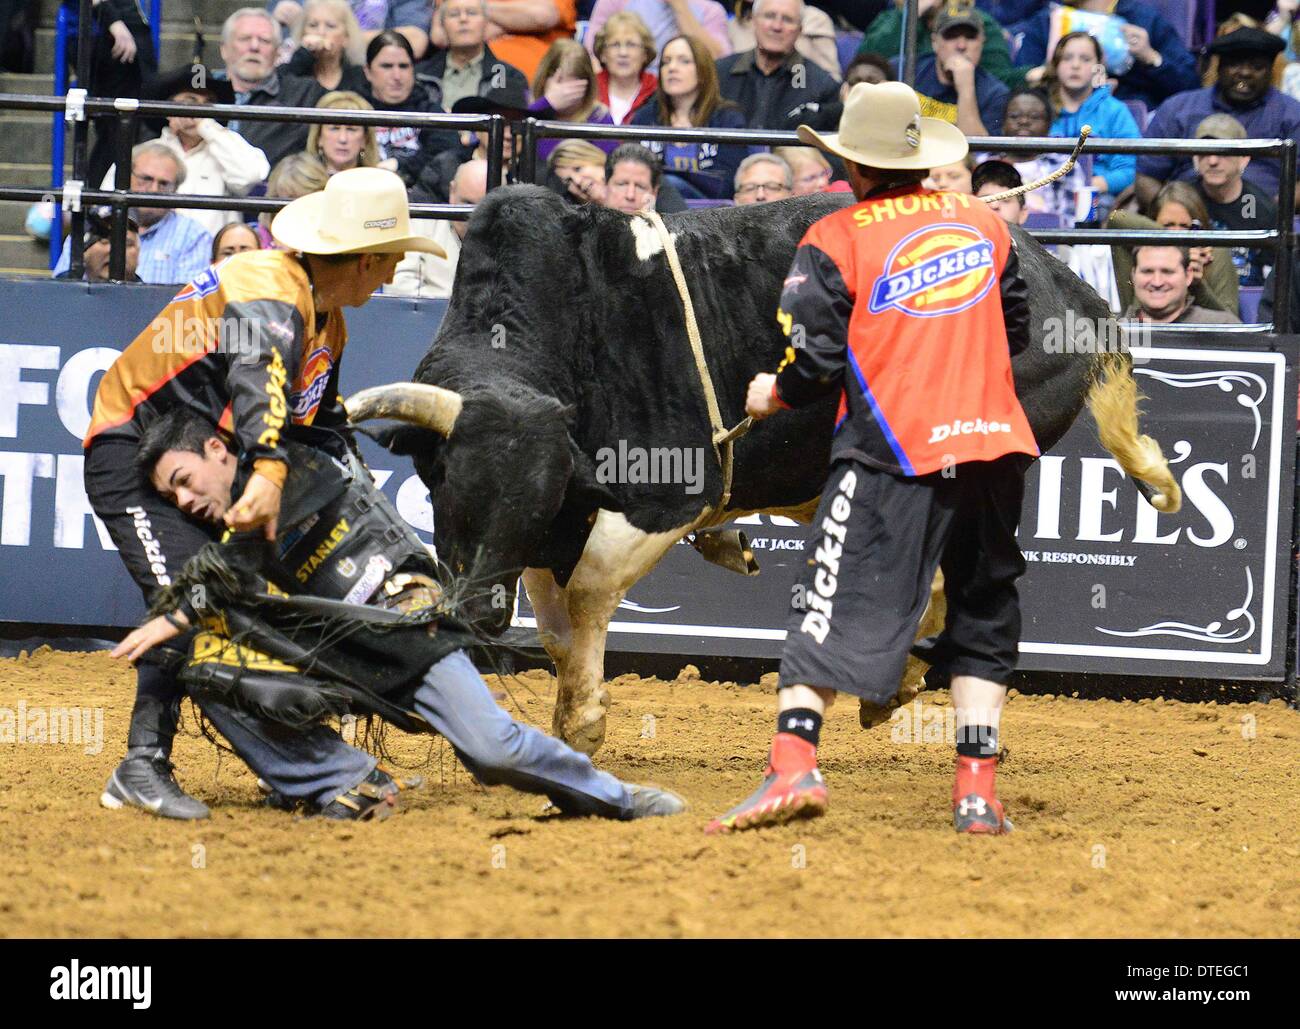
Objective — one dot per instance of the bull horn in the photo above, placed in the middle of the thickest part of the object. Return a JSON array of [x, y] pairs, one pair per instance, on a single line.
[[430, 406]]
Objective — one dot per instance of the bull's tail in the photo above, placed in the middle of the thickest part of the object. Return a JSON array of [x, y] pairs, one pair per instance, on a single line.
[[1113, 400]]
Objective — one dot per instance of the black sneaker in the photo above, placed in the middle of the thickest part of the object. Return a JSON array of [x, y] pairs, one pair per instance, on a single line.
[[374, 798], [148, 783]]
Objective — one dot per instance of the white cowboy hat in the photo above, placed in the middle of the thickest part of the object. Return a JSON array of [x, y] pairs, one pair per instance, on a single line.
[[882, 127], [360, 211]]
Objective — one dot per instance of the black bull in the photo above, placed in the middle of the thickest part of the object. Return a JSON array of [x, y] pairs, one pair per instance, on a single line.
[[565, 342]]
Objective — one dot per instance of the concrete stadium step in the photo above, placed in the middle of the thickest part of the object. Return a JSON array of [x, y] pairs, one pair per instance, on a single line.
[[25, 137], [36, 85], [20, 254], [215, 11], [13, 217], [177, 44], [14, 173]]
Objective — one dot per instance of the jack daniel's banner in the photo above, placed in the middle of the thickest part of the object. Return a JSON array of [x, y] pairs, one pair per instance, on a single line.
[[1111, 586]]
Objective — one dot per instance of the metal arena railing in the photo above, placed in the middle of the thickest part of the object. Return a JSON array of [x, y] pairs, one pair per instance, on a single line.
[[1280, 240], [76, 107], [73, 193]]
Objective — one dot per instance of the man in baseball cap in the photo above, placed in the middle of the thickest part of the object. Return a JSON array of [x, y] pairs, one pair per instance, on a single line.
[[1232, 200], [909, 306], [951, 84], [1243, 88], [254, 345]]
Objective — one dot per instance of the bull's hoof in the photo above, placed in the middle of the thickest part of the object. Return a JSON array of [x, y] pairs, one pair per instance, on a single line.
[[583, 730]]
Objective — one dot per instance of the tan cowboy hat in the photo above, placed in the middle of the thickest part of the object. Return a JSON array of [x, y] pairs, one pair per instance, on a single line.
[[360, 211], [882, 127]]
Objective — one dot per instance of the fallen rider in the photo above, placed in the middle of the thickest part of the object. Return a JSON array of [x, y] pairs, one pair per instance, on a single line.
[[286, 637]]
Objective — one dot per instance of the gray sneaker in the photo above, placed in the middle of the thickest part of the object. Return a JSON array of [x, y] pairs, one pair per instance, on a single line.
[[653, 802], [148, 783]]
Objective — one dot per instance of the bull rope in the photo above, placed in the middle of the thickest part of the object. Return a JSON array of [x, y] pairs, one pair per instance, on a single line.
[[723, 438], [1046, 180]]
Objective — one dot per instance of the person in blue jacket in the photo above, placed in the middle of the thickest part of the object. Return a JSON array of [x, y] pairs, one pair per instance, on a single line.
[[1162, 65], [688, 97], [1077, 65]]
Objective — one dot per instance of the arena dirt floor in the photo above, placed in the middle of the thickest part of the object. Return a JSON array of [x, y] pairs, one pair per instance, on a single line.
[[1153, 818]]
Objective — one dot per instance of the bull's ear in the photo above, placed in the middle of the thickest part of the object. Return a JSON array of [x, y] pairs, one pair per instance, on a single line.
[[585, 491]]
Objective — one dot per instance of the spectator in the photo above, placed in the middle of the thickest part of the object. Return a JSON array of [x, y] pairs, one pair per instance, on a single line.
[[883, 35], [340, 147], [1243, 91], [576, 171], [687, 98], [408, 17], [392, 86], [1233, 22], [1076, 67], [248, 41], [816, 43], [294, 177], [992, 177], [773, 84], [951, 84], [1161, 64], [1284, 24], [427, 275], [704, 21], [565, 88], [521, 31], [234, 238], [173, 248], [330, 46], [1028, 115], [1162, 280], [870, 68], [123, 59], [633, 174], [625, 48], [99, 232], [812, 172], [953, 178], [218, 162], [468, 66], [511, 102], [1178, 206], [1232, 202], [763, 177]]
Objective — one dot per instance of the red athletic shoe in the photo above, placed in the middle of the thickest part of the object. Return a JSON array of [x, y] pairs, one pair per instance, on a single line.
[[975, 804], [792, 787]]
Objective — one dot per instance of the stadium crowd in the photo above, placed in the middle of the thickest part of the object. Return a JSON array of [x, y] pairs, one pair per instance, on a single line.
[[1019, 69]]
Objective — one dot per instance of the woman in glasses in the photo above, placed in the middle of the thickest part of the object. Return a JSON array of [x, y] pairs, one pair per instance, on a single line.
[[688, 98], [812, 172], [625, 48]]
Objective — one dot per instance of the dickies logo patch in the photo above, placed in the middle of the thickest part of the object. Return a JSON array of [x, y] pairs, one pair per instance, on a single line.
[[312, 380], [937, 270], [201, 285]]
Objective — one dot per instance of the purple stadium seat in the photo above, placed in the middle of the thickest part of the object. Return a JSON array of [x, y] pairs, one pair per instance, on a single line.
[[1140, 113], [1181, 14], [695, 205], [1043, 220], [846, 45], [1248, 301]]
